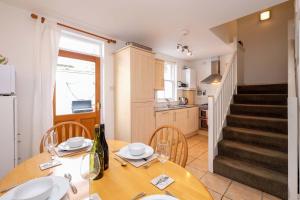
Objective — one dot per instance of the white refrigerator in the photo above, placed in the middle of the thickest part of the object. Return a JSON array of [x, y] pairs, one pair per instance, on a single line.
[[8, 121]]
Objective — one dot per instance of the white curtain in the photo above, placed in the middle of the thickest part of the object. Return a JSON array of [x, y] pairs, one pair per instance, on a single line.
[[47, 36]]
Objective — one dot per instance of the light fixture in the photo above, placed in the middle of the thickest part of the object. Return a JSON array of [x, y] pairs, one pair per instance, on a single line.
[[265, 15], [184, 49]]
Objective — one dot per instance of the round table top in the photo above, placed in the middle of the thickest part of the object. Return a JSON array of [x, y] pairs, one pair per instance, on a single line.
[[118, 182]]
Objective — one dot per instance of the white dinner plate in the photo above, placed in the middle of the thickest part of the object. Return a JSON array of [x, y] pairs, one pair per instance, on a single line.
[[159, 197], [65, 147], [60, 189], [124, 153]]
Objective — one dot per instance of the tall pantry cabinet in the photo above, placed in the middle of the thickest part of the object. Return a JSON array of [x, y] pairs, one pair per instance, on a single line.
[[134, 94]]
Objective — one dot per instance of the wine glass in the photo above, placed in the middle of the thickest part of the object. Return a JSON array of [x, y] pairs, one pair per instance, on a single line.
[[163, 151], [50, 142], [90, 168]]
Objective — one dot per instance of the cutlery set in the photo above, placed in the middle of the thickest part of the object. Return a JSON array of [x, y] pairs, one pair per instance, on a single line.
[[73, 187]]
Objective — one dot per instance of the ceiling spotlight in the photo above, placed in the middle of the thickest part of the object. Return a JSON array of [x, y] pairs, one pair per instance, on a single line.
[[179, 47], [184, 49]]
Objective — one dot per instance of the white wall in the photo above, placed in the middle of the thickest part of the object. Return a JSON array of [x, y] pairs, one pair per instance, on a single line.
[[16, 43], [16, 39], [265, 43], [203, 70]]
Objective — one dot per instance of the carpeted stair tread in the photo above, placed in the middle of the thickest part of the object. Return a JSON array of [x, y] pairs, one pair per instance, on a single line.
[[264, 179], [278, 111], [259, 123], [261, 138], [265, 157], [263, 89], [266, 99]]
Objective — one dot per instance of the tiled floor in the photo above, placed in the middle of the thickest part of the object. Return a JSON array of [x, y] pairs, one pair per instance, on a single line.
[[221, 188]]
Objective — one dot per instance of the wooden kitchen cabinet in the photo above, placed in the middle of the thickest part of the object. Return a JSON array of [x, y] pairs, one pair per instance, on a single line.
[[163, 118], [134, 94], [159, 75], [193, 119], [142, 75], [143, 122], [186, 119]]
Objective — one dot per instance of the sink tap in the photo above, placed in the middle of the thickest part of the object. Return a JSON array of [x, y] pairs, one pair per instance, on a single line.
[[168, 103]]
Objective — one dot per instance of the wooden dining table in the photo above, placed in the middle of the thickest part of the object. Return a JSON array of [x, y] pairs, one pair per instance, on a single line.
[[118, 183]]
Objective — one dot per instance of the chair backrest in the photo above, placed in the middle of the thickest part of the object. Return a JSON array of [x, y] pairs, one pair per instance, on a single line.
[[177, 141], [66, 130]]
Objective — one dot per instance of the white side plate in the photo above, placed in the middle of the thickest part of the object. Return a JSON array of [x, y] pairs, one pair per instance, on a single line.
[[60, 189], [124, 153], [65, 147]]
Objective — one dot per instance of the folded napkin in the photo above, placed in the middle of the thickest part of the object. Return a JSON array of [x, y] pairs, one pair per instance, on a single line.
[[138, 163], [62, 153], [162, 181]]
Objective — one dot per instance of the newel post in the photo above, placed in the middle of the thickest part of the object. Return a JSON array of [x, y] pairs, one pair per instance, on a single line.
[[211, 135]]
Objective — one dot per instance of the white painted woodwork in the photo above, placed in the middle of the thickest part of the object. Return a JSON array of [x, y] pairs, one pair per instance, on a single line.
[[293, 116], [218, 108], [159, 75], [134, 94]]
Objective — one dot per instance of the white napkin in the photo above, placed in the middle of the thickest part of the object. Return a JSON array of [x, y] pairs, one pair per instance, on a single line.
[[162, 181], [138, 163], [50, 164], [62, 153]]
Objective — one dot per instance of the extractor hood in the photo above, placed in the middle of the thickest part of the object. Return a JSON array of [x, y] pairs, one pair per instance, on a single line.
[[216, 76]]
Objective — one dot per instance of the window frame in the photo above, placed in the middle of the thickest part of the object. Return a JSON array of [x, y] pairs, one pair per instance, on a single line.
[[173, 81]]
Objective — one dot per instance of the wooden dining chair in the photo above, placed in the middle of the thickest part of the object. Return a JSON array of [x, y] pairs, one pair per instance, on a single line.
[[66, 130], [176, 139]]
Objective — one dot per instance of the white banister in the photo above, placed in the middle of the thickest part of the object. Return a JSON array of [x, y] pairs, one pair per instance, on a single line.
[[293, 116], [218, 107]]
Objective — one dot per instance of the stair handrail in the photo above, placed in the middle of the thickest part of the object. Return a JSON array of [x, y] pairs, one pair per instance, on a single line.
[[218, 107]]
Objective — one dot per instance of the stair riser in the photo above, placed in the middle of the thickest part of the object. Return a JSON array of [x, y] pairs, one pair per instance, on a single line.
[[274, 163], [278, 112], [263, 141], [276, 188], [265, 89], [259, 124], [261, 99]]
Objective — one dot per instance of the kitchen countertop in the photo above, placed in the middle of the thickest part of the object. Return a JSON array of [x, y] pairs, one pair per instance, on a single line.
[[174, 108]]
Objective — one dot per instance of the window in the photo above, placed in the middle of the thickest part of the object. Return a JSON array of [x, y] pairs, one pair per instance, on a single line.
[[78, 67], [170, 73], [80, 44]]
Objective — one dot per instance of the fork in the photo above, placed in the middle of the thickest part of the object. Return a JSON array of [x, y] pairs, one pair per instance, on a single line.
[[73, 187], [170, 194], [122, 162], [138, 196], [161, 180]]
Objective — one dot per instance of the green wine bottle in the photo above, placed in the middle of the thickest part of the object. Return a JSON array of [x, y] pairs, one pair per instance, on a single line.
[[97, 148]]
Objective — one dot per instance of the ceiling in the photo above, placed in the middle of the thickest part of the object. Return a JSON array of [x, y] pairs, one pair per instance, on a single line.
[[155, 23]]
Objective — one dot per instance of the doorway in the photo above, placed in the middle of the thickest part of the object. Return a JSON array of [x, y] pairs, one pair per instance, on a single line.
[[77, 89]]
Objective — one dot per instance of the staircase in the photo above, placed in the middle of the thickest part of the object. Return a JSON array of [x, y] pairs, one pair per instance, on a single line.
[[254, 147]]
